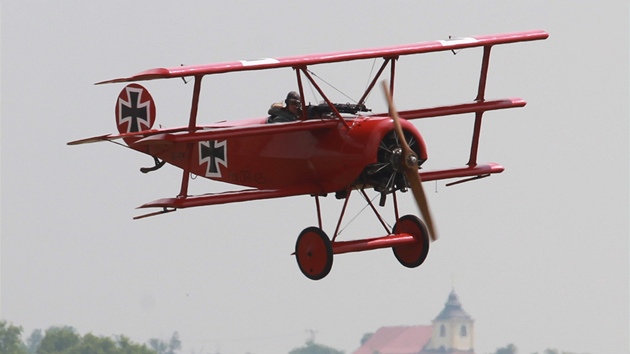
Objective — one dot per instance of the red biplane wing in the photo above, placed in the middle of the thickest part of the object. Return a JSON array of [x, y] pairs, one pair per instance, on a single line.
[[301, 61], [459, 109], [236, 131], [227, 197]]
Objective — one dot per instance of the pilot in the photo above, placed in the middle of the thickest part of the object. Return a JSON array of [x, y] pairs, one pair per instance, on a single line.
[[291, 111]]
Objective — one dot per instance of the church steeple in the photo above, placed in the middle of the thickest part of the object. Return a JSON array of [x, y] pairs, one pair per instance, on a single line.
[[453, 328], [452, 309]]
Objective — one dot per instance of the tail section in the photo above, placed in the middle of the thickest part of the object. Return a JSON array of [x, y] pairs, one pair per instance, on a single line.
[[135, 109]]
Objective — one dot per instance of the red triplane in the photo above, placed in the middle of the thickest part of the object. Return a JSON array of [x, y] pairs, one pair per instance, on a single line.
[[331, 148]]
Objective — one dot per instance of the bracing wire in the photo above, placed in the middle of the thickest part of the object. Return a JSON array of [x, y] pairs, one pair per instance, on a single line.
[[336, 89], [369, 79], [310, 86], [331, 86], [359, 213], [119, 144]]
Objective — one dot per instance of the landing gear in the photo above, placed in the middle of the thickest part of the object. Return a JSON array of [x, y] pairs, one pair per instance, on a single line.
[[409, 240], [412, 255], [314, 253]]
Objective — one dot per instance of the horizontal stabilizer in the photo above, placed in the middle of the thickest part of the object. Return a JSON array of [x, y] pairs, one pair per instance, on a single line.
[[94, 139]]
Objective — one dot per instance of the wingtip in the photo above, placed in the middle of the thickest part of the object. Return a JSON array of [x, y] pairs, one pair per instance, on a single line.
[[151, 74]]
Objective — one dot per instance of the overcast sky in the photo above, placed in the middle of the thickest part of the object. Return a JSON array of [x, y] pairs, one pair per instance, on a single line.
[[538, 255]]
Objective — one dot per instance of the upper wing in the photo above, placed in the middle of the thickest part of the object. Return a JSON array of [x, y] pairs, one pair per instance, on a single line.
[[305, 60]]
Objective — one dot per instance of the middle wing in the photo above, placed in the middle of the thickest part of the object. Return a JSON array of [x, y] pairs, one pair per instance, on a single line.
[[216, 132], [220, 133]]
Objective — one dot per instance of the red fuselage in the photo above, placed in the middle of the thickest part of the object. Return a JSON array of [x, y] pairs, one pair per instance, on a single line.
[[332, 157]]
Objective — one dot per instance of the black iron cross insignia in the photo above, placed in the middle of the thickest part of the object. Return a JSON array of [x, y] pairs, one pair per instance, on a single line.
[[133, 111], [214, 153]]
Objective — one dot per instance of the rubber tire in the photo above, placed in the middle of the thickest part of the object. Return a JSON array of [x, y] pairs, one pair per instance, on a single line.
[[412, 255], [314, 253]]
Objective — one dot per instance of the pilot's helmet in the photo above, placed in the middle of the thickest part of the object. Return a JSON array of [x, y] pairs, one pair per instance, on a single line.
[[293, 97]]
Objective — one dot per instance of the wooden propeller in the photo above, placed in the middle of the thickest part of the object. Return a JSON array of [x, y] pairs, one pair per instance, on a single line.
[[410, 166]]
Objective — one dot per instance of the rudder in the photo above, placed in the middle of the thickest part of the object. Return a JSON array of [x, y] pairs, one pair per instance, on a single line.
[[135, 109]]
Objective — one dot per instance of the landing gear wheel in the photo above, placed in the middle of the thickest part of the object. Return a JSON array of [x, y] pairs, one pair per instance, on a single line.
[[412, 255], [313, 252]]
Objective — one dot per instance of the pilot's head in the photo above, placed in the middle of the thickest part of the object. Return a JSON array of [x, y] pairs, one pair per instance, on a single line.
[[293, 98]]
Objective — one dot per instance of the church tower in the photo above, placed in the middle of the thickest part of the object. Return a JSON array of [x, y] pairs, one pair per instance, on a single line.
[[453, 328]]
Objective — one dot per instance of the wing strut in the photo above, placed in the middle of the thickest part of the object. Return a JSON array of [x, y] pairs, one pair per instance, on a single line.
[[192, 127], [374, 81], [192, 123], [391, 61], [484, 74], [481, 92], [392, 75], [330, 104], [301, 88]]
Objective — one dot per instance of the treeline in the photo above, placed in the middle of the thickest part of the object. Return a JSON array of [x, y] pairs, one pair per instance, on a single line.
[[66, 340], [512, 349]]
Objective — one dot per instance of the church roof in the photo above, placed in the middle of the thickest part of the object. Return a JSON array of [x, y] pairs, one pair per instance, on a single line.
[[452, 309], [414, 339], [397, 340]]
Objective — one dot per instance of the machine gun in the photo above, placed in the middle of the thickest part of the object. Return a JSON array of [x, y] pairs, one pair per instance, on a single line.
[[324, 109]]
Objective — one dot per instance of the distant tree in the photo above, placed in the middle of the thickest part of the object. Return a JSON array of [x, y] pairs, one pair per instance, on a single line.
[[556, 351], [65, 340], [174, 344], [58, 340], [128, 347], [33, 341], [158, 345], [509, 349], [313, 348], [161, 347], [92, 344], [366, 337], [11, 339]]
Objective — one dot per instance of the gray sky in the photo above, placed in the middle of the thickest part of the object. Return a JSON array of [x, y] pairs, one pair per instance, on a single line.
[[538, 254]]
